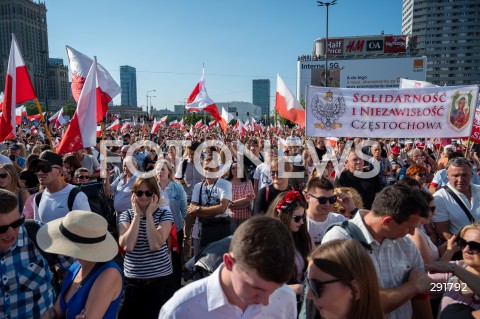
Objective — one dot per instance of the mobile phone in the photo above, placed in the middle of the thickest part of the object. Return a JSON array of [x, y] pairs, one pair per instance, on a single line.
[[12, 157]]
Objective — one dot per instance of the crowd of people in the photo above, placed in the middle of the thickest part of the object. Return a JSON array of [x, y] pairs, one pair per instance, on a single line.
[[362, 228]]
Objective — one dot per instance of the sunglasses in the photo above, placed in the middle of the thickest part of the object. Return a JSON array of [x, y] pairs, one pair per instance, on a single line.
[[82, 177], [317, 286], [323, 200], [421, 175], [473, 245], [15, 224], [4, 175], [148, 193], [42, 168], [297, 219]]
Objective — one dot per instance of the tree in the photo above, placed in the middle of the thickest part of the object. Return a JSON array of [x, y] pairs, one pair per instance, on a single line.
[[69, 109], [32, 108]]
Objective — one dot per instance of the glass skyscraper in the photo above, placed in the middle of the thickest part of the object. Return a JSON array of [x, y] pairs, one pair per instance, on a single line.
[[128, 83], [261, 95]]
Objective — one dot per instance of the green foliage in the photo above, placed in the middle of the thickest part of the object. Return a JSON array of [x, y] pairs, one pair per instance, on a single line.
[[32, 108], [69, 109]]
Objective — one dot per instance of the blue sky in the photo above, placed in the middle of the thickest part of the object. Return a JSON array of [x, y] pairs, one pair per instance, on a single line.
[[238, 41]]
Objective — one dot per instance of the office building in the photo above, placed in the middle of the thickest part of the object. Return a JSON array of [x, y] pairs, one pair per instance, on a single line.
[[128, 83], [448, 33], [261, 95], [58, 86], [242, 110]]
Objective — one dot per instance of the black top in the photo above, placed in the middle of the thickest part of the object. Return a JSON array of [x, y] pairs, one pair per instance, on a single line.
[[367, 187], [263, 200]]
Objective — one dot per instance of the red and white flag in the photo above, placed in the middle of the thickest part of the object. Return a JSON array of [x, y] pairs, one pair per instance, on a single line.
[[57, 119], [163, 121], [240, 128], [80, 65], [287, 105], [99, 131], [81, 131], [19, 113], [155, 126], [226, 118], [200, 101], [212, 124], [114, 126], [182, 125], [174, 124], [125, 127], [18, 89], [35, 117], [199, 124]]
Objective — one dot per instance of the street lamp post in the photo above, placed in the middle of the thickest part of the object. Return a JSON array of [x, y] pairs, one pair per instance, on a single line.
[[326, 4], [148, 97]]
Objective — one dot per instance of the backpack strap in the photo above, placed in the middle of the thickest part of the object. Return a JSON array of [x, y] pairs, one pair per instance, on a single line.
[[32, 228], [184, 167], [71, 197], [38, 198], [354, 231], [460, 203], [267, 193]]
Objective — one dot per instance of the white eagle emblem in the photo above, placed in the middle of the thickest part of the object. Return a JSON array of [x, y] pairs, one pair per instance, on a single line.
[[329, 111]]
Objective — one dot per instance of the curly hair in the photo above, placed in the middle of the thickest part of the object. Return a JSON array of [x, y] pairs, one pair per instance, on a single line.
[[416, 169]]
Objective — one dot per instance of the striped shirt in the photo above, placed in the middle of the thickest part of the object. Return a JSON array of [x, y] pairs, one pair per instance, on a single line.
[[143, 262]]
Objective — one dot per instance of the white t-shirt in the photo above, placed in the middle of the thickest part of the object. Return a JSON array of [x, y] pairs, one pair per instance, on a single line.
[[55, 205], [317, 229], [262, 173], [211, 196]]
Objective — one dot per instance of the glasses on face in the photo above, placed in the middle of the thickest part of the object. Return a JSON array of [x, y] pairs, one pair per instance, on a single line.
[[421, 174], [297, 219], [473, 245], [45, 168], [323, 200], [15, 224], [4, 175], [82, 177], [274, 173], [147, 193], [317, 286]]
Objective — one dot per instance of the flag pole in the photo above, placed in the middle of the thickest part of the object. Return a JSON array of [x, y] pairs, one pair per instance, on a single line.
[[47, 131], [468, 146]]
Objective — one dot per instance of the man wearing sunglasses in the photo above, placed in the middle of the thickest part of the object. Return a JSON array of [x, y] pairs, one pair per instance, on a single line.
[[53, 201], [26, 289], [320, 197], [396, 212]]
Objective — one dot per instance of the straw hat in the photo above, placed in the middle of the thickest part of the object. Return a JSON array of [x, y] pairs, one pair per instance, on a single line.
[[81, 235]]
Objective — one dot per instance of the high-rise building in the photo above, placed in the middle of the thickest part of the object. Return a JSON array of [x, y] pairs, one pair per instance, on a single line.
[[28, 21], [448, 33], [59, 89], [261, 95], [128, 83]]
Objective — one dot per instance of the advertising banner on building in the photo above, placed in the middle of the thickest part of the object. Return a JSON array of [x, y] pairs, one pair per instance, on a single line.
[[378, 73], [392, 113]]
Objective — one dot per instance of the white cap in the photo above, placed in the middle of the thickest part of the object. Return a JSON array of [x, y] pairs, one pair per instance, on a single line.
[[408, 142]]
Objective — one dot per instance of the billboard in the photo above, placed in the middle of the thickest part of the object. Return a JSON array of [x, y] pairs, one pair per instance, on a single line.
[[365, 45], [381, 73]]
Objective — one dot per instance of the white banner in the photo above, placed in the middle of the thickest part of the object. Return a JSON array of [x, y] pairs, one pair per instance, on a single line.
[[403, 113]]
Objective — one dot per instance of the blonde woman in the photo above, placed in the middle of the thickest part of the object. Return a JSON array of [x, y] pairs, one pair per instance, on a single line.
[[9, 180]]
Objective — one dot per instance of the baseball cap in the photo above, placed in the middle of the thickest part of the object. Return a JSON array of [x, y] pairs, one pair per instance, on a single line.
[[48, 157], [396, 150], [408, 142], [15, 147], [449, 147]]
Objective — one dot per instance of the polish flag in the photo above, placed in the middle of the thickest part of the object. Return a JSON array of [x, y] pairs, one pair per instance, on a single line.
[[212, 123], [35, 117], [99, 131], [155, 126], [19, 113], [114, 126], [199, 124], [81, 130], [18, 89], [240, 128], [163, 121], [80, 65], [226, 118], [57, 119], [332, 141], [287, 105], [182, 125], [125, 127], [174, 124], [200, 101]]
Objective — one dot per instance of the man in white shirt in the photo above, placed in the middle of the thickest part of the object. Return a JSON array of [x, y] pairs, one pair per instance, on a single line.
[[320, 198], [449, 216], [396, 211], [53, 201], [250, 281]]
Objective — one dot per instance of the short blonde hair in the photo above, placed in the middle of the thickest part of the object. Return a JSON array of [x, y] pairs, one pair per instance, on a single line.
[[357, 199]]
